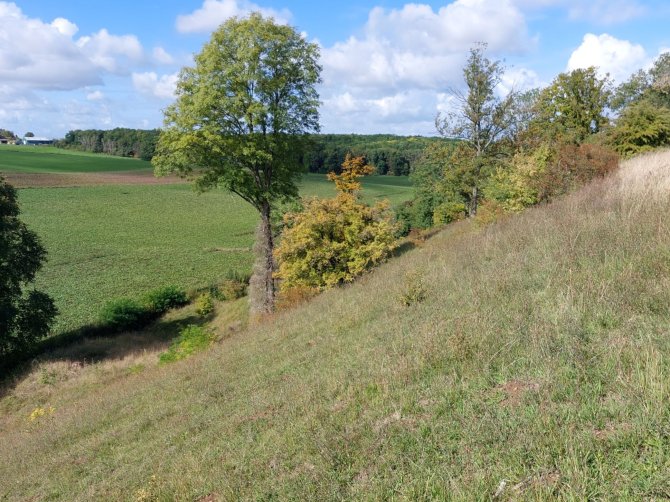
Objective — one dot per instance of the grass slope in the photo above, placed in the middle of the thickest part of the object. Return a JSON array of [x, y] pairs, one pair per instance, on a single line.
[[110, 241], [536, 368], [44, 159]]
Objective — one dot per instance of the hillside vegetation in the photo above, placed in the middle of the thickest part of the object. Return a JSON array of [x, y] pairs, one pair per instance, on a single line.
[[529, 359]]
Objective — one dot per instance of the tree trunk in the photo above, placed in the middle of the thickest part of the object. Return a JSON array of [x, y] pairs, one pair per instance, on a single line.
[[261, 286], [472, 209]]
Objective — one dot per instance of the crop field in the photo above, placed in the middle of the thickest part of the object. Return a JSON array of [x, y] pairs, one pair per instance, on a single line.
[[118, 236], [43, 159]]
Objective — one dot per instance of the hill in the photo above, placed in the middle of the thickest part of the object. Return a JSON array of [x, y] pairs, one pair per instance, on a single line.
[[536, 367]]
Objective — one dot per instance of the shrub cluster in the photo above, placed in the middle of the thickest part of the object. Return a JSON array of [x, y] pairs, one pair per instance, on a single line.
[[126, 313]]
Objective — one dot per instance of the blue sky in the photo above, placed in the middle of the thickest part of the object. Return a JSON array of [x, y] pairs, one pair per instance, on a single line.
[[388, 65]]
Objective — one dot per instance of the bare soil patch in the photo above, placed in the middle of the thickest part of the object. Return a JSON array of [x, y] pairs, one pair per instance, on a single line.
[[62, 180]]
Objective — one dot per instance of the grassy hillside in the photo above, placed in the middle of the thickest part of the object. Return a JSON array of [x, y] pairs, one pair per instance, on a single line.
[[44, 159], [109, 241], [537, 367]]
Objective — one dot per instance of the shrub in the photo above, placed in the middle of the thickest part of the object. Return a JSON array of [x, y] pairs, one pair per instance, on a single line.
[[573, 166], [414, 289], [191, 339], [231, 290], [163, 299], [335, 240], [641, 127], [204, 304], [448, 212], [124, 314]]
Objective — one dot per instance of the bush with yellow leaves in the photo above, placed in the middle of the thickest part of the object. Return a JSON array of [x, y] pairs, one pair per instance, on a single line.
[[332, 241]]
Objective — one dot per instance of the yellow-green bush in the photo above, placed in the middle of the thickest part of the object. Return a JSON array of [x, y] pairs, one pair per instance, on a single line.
[[333, 241]]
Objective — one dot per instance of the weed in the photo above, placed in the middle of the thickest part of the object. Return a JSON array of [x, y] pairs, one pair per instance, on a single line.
[[414, 289], [204, 304], [191, 339]]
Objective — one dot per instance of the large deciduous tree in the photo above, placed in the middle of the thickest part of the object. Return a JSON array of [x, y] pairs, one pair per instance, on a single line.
[[240, 122], [482, 118], [25, 317]]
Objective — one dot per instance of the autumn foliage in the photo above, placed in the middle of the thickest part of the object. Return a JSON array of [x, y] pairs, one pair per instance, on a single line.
[[333, 241]]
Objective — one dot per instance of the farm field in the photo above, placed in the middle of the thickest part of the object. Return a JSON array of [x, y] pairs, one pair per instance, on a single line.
[[117, 240], [44, 159]]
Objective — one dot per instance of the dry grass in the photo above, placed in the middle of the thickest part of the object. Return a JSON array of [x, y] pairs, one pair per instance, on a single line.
[[536, 367]]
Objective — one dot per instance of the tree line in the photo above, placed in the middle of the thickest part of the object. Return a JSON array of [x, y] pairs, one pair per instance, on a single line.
[[121, 142]]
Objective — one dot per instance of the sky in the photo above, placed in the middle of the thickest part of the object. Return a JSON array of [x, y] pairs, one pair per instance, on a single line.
[[388, 66]]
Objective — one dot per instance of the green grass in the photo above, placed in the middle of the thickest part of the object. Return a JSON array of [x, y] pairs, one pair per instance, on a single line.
[[537, 365], [110, 241], [46, 159]]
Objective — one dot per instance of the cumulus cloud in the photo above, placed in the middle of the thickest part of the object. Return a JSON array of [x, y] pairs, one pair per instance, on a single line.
[[150, 84], [214, 12], [41, 55], [111, 52], [161, 56], [388, 77], [95, 96], [619, 58], [418, 46]]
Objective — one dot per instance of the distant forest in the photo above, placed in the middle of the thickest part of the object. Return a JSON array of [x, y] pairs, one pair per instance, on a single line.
[[389, 154]]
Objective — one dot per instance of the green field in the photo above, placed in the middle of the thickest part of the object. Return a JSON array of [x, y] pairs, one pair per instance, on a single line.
[[45, 159], [114, 240]]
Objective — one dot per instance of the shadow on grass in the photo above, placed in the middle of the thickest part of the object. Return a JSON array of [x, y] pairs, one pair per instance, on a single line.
[[93, 344]]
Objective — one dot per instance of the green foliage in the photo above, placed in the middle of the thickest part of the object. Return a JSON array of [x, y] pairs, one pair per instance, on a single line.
[[120, 141], [166, 298], [573, 107], [448, 211], [191, 339], [25, 317], [204, 304], [125, 314], [641, 127], [514, 186], [332, 241]]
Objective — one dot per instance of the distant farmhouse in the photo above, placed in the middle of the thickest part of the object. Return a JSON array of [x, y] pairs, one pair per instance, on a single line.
[[34, 140]]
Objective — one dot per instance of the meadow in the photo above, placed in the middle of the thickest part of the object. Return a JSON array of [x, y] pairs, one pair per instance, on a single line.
[[116, 240], [534, 365]]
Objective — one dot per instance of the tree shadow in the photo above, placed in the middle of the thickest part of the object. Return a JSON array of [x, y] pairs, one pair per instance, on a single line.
[[91, 344]]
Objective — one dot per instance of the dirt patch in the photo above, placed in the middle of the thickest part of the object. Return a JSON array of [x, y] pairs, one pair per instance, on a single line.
[[64, 180], [515, 390]]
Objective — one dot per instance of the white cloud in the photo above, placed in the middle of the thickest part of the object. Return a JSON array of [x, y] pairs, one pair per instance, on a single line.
[[420, 47], [112, 52], [150, 84], [40, 55], [95, 96], [64, 26], [214, 12], [388, 77], [619, 58], [161, 56]]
